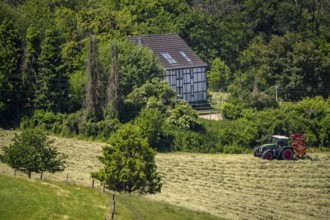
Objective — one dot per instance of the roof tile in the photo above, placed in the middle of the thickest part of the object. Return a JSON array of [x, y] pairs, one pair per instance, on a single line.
[[172, 44]]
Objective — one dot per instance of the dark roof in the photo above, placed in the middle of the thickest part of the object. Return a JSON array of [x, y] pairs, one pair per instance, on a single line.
[[172, 44]]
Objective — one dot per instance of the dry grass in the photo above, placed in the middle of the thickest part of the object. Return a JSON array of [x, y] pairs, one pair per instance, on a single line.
[[81, 159], [229, 186]]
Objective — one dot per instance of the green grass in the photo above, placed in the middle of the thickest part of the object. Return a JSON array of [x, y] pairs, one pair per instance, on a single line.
[[33, 199], [218, 98], [132, 207]]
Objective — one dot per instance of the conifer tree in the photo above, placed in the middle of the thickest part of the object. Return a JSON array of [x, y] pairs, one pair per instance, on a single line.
[[114, 95], [10, 77], [30, 70], [93, 100], [52, 83]]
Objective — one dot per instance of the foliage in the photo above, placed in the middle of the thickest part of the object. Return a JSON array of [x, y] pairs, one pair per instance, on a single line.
[[114, 93], [298, 144], [231, 111], [129, 164], [307, 117], [153, 93], [184, 117], [257, 50], [11, 90], [295, 66], [31, 151], [218, 76], [52, 91], [151, 122], [137, 64], [93, 98]]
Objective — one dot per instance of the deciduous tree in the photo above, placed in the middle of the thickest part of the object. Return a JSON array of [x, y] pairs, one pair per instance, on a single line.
[[129, 163], [32, 151]]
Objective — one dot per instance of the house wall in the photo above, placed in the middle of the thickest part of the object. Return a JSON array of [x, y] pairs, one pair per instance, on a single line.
[[189, 83]]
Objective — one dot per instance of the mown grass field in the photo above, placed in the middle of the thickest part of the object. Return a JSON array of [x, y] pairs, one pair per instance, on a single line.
[[227, 186]]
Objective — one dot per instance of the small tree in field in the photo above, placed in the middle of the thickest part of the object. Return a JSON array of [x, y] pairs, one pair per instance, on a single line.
[[31, 151], [129, 164], [298, 144]]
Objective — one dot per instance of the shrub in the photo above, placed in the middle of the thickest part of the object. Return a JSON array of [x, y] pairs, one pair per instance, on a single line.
[[231, 111]]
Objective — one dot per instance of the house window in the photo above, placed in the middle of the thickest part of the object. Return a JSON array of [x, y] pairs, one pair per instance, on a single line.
[[185, 56], [168, 57]]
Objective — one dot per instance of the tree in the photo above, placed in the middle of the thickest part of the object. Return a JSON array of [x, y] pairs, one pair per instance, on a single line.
[[155, 92], [184, 117], [151, 122], [114, 94], [31, 151], [52, 92], [129, 163], [137, 65], [93, 99], [10, 77], [219, 75]]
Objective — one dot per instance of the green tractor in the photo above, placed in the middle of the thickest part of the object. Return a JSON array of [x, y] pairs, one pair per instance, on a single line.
[[275, 147]]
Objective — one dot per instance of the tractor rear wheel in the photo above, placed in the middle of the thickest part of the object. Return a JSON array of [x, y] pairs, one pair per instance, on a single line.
[[268, 155], [287, 154]]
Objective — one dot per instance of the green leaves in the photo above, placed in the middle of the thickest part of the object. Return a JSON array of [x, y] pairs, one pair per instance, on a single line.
[[218, 76], [129, 163], [32, 152]]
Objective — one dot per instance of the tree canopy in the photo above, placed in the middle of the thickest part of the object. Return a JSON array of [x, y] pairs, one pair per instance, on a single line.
[[32, 151], [251, 48], [129, 163]]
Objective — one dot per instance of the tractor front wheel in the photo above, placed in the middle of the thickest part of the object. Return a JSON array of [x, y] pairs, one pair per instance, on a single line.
[[287, 154], [268, 155]]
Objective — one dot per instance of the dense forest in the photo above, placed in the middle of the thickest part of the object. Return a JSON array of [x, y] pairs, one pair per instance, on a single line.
[[67, 65]]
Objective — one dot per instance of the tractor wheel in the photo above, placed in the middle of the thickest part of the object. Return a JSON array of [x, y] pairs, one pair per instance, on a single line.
[[268, 155], [287, 154]]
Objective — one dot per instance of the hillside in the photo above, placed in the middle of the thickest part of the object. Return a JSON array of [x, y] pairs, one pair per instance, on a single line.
[[253, 49], [228, 186], [23, 199]]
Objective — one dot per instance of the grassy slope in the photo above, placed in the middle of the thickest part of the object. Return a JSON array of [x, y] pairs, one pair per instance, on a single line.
[[229, 186], [23, 199], [133, 207]]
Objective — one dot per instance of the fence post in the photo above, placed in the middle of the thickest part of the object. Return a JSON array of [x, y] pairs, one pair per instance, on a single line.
[[103, 189], [67, 177], [93, 183], [113, 207]]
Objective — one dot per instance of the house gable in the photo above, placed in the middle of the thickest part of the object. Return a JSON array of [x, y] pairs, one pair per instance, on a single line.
[[185, 71]]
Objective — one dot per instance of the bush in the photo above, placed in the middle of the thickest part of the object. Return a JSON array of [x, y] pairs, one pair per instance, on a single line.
[[231, 111]]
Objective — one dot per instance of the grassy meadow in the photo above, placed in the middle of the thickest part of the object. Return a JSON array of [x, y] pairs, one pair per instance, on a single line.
[[23, 199], [226, 186]]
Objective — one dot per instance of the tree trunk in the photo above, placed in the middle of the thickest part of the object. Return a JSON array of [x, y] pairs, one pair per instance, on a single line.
[[41, 175], [29, 174]]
